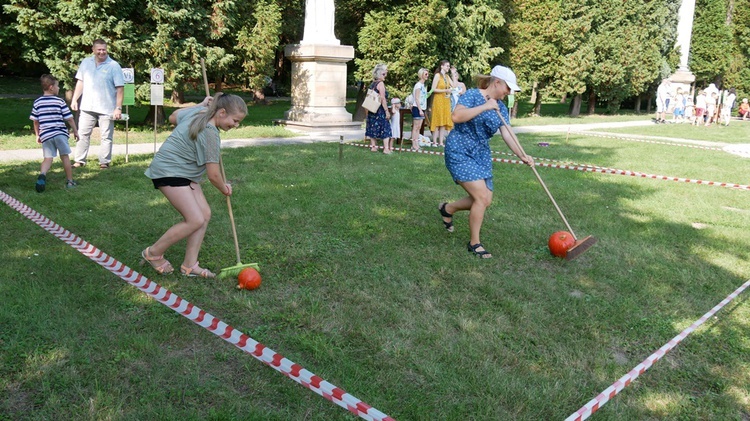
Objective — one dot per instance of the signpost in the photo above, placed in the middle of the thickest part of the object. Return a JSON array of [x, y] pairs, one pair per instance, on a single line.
[[157, 95], [128, 98]]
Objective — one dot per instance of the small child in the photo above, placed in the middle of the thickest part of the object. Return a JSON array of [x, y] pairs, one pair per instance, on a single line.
[[700, 107], [711, 102], [49, 114], [678, 115], [395, 121], [689, 110]]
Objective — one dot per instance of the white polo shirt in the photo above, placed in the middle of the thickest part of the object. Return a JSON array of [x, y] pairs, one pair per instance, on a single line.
[[99, 85]]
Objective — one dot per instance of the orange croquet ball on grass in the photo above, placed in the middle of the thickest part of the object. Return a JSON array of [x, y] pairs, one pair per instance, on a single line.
[[249, 278], [560, 242]]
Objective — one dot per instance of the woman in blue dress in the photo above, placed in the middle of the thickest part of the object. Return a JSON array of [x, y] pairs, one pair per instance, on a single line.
[[467, 149], [378, 126]]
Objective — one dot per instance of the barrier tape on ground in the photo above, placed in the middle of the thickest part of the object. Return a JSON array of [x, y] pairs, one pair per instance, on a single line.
[[608, 393], [636, 139], [201, 318], [591, 168]]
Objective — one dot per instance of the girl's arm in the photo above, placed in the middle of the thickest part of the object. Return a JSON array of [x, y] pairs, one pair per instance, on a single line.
[[213, 170], [510, 140], [417, 96], [435, 80], [36, 131]]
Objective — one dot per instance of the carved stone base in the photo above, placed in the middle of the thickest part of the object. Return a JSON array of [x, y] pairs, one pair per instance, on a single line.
[[683, 79], [318, 84]]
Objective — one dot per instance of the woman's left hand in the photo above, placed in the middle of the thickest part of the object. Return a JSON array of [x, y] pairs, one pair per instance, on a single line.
[[528, 160]]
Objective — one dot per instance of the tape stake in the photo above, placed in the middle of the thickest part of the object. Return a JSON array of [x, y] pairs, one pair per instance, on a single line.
[[610, 392], [196, 315]]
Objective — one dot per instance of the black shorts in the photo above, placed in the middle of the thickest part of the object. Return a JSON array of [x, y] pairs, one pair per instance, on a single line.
[[171, 182]]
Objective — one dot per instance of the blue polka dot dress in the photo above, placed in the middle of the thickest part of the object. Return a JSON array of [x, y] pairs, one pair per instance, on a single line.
[[378, 127], [467, 148]]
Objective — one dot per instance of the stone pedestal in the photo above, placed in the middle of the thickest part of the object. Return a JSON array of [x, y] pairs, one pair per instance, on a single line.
[[319, 86], [684, 79]]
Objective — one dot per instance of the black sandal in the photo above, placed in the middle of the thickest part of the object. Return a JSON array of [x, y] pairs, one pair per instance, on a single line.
[[482, 254], [445, 214]]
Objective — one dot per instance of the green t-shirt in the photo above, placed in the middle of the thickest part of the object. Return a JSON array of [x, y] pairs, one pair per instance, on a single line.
[[181, 156]]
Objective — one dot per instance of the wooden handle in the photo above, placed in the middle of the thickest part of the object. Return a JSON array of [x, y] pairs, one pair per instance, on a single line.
[[231, 215], [538, 177], [205, 78]]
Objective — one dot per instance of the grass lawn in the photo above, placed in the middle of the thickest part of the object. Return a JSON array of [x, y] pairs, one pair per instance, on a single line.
[[363, 287]]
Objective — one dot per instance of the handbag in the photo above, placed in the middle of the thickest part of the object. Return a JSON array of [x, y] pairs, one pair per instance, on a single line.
[[372, 101]]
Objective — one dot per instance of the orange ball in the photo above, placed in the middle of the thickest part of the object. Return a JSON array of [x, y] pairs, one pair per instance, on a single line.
[[249, 278], [560, 242]]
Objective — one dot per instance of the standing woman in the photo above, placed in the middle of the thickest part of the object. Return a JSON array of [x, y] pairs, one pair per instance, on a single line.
[[378, 126], [441, 123], [419, 92], [192, 150], [467, 152]]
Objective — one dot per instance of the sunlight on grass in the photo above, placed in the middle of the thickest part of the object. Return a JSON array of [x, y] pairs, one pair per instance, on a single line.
[[640, 218], [665, 403], [41, 362], [727, 260]]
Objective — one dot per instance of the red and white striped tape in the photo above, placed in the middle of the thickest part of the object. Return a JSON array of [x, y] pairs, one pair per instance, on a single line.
[[608, 393], [593, 168], [196, 315]]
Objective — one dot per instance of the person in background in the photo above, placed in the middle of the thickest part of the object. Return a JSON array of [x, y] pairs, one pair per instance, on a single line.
[[662, 100], [100, 88], [700, 107], [678, 116], [711, 102], [378, 126], [440, 122], [395, 120], [189, 153], [459, 88], [744, 110], [49, 114], [467, 152], [419, 93], [727, 104]]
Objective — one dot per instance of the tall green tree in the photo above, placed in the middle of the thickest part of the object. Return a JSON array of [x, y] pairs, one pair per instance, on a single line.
[[712, 41]]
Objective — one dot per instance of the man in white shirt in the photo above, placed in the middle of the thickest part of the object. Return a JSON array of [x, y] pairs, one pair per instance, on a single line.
[[99, 87]]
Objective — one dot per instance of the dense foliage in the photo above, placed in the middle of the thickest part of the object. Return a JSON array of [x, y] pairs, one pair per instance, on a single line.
[[607, 51]]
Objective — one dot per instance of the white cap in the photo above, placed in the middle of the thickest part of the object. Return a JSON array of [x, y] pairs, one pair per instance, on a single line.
[[395, 101], [507, 75]]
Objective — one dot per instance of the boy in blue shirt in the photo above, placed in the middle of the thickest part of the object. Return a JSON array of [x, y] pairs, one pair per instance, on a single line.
[[49, 114]]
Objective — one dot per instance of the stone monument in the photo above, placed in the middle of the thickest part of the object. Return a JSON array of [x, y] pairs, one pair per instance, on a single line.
[[683, 77], [319, 73]]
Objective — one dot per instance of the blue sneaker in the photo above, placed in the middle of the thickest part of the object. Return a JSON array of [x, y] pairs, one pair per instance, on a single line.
[[41, 183], [70, 184]]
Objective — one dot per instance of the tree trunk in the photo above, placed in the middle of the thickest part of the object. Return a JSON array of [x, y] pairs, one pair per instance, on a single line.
[[638, 104], [218, 84], [178, 97], [592, 102], [648, 103], [160, 117], [538, 104], [533, 92], [575, 106], [514, 109]]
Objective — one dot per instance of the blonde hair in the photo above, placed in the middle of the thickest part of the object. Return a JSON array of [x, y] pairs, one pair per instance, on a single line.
[[232, 104], [484, 81], [377, 72], [422, 72]]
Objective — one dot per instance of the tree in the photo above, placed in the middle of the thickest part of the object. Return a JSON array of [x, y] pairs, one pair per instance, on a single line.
[[710, 51], [254, 45]]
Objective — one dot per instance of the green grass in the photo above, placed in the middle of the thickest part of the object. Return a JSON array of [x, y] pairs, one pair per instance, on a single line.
[[736, 132], [362, 286]]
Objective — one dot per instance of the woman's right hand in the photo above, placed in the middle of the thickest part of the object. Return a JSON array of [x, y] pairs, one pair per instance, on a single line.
[[491, 104], [227, 189]]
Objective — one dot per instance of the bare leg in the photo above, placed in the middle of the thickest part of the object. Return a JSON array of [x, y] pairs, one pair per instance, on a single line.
[[195, 240], [46, 165], [185, 201], [66, 166], [415, 126], [480, 198]]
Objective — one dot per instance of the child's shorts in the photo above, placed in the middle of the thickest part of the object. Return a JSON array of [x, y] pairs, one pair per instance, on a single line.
[[699, 112], [415, 114], [679, 112], [57, 143]]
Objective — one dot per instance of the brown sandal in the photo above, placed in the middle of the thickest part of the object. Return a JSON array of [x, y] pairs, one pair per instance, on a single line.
[[197, 272], [165, 268]]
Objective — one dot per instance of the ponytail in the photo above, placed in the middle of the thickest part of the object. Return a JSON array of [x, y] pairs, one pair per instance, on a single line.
[[230, 103]]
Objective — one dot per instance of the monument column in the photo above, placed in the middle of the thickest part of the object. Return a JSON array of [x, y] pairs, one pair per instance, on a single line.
[[683, 77], [319, 73]]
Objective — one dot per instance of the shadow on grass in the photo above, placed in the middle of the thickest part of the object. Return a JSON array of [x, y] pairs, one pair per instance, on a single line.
[[363, 286]]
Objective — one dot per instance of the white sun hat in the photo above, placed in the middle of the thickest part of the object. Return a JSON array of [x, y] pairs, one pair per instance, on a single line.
[[504, 73]]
